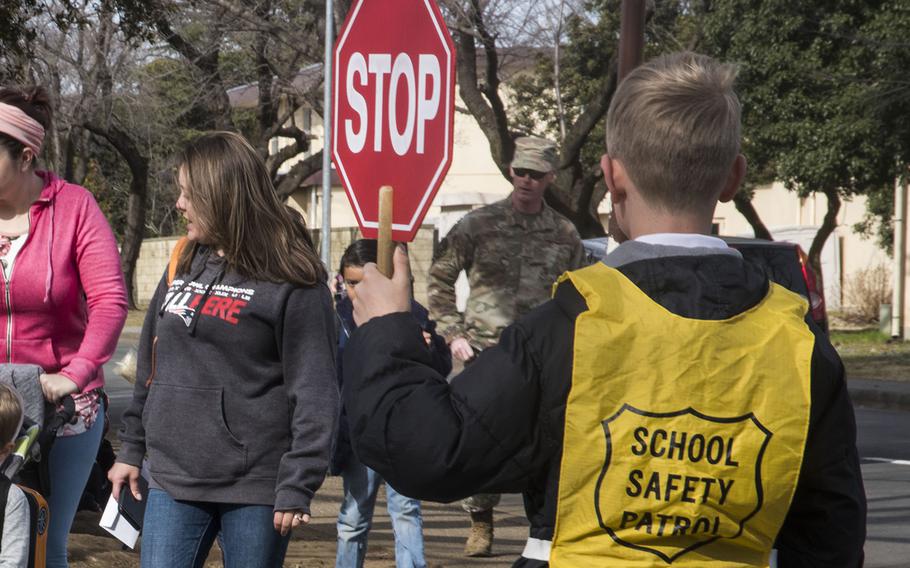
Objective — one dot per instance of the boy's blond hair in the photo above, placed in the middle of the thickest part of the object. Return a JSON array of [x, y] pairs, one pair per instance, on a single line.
[[10, 415], [674, 124]]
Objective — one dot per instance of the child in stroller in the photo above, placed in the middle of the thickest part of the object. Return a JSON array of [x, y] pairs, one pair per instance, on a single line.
[[23, 473], [14, 514]]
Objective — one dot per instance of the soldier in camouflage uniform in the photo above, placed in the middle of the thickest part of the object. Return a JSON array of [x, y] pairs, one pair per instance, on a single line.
[[512, 251]]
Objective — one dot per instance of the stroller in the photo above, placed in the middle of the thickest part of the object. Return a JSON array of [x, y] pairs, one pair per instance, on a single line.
[[27, 465]]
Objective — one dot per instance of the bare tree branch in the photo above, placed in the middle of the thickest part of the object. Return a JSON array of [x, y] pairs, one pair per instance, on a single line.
[[484, 102], [301, 170]]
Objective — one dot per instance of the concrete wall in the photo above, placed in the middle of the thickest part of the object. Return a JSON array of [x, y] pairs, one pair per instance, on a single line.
[[153, 258]]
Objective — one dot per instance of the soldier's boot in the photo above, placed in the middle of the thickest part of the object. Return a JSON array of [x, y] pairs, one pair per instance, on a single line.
[[480, 541]]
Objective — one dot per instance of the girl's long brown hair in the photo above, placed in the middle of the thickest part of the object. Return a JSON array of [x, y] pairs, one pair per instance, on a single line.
[[239, 211]]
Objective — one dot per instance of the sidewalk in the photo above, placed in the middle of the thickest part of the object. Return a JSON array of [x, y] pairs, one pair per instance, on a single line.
[[893, 395]]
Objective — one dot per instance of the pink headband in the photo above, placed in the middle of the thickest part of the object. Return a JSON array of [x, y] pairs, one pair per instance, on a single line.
[[14, 122]]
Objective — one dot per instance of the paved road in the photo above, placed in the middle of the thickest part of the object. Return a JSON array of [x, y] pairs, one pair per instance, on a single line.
[[884, 445]]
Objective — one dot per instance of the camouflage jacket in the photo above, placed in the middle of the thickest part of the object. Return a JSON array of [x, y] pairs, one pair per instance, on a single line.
[[511, 259]]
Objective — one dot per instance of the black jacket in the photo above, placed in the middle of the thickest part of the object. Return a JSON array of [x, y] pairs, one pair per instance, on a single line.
[[441, 362], [498, 426]]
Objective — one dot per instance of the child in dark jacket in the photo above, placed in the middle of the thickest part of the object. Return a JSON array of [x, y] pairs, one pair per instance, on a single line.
[[361, 483]]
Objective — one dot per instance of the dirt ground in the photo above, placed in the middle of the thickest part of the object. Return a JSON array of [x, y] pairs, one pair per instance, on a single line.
[[92, 547], [445, 525], [445, 528]]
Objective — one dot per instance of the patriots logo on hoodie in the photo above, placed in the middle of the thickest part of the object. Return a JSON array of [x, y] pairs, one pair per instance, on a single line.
[[183, 312], [182, 305], [224, 302]]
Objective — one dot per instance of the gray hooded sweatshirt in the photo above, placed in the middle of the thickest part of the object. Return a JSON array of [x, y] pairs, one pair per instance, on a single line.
[[235, 398]]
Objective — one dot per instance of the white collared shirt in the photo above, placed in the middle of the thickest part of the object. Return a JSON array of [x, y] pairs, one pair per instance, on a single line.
[[687, 240]]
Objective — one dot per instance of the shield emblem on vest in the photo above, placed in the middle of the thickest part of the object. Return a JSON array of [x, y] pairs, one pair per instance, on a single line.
[[675, 482]]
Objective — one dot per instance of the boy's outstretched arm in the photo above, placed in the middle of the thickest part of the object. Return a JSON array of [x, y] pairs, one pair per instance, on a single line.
[[435, 440]]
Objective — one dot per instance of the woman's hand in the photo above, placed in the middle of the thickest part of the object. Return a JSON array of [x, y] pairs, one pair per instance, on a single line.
[[56, 386], [124, 474], [287, 520]]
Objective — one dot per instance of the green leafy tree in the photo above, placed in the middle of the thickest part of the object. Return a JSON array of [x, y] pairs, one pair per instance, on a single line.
[[882, 69], [805, 84]]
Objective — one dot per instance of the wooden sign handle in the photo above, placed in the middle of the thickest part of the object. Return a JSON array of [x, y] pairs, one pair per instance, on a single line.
[[385, 247]]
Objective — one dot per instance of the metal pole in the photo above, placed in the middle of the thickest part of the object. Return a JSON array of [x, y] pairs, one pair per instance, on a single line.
[[900, 257], [631, 45], [327, 137], [631, 36]]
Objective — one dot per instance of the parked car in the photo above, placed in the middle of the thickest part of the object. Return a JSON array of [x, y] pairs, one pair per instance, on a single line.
[[785, 263]]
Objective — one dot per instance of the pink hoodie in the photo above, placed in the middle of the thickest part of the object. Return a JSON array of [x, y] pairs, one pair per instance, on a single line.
[[65, 303]]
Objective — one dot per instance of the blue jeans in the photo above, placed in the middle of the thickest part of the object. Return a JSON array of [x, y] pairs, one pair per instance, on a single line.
[[179, 534], [361, 484], [70, 464]]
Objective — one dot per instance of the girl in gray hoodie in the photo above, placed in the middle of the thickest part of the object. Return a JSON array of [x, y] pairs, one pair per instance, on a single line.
[[235, 400]]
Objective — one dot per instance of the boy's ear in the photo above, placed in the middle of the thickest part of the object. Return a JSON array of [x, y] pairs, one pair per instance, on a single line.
[[734, 179], [617, 193]]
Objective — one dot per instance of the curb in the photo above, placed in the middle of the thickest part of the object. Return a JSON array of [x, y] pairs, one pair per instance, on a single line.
[[879, 396]]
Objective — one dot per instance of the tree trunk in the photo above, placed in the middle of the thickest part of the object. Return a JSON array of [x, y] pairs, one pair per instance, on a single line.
[[207, 63], [135, 225], [482, 98], [829, 223], [743, 204], [577, 191]]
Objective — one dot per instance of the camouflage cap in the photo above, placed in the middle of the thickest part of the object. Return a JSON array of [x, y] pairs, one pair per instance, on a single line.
[[534, 153]]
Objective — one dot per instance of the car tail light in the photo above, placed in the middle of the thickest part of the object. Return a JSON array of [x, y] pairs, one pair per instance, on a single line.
[[816, 293]]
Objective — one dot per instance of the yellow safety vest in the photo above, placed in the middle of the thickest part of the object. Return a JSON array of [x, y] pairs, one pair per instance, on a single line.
[[683, 437]]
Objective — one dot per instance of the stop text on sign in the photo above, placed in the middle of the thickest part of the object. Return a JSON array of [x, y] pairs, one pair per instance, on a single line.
[[421, 90], [394, 109]]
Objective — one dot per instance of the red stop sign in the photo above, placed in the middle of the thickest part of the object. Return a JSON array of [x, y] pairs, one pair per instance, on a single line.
[[394, 109]]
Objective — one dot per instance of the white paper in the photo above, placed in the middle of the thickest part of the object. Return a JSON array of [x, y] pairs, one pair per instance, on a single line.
[[116, 524]]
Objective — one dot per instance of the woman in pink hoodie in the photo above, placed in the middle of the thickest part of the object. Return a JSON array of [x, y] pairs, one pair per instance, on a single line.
[[62, 296]]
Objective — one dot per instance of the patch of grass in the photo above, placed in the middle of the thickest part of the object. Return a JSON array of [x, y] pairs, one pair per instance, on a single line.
[[870, 354], [858, 337]]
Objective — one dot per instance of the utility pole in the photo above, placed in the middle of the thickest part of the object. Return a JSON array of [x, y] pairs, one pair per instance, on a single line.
[[899, 311], [327, 129], [631, 36]]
